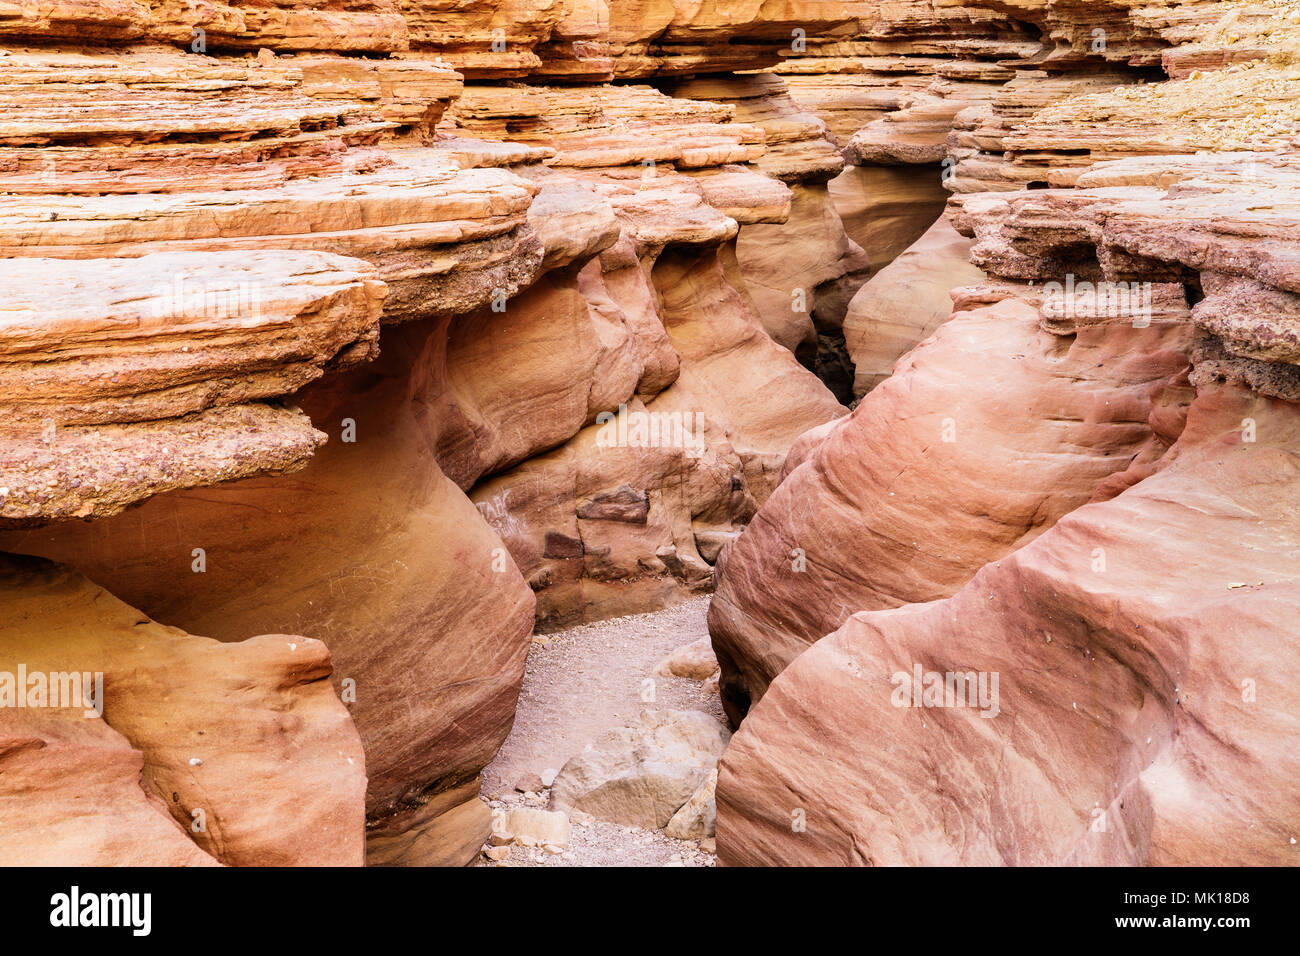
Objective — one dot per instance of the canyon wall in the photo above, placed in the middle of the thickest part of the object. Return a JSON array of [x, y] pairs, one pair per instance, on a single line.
[[347, 344], [343, 320], [1026, 605]]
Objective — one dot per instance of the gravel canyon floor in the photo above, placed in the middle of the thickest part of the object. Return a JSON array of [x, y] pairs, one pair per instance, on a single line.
[[584, 680], [579, 683]]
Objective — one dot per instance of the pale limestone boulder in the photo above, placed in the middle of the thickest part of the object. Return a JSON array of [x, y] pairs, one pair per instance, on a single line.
[[697, 817], [694, 661], [641, 775], [527, 826]]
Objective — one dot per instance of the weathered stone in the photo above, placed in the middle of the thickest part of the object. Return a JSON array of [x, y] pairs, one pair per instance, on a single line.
[[529, 827], [642, 775], [185, 751], [697, 817], [694, 661]]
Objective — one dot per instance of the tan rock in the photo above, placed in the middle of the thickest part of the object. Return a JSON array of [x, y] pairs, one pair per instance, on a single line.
[[697, 817], [530, 827], [419, 541], [530, 782], [938, 473], [239, 753], [445, 830], [694, 661], [641, 775]]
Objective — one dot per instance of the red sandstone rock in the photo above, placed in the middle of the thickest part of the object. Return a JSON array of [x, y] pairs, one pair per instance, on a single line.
[[623, 233], [906, 301], [939, 472], [1162, 691]]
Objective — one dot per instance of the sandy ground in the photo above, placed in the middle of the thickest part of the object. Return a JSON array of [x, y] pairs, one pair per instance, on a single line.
[[578, 684]]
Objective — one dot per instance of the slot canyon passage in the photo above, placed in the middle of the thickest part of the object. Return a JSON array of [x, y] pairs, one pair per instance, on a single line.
[[564, 432]]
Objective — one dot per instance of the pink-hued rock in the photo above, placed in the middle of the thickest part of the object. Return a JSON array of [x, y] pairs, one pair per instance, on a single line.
[[905, 302], [1145, 712], [940, 471], [548, 253]]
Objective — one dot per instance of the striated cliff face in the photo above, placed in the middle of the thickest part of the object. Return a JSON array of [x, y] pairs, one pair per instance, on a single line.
[[366, 338], [1025, 606], [336, 319]]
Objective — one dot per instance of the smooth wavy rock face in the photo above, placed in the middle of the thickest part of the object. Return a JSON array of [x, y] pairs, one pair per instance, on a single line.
[[787, 267], [529, 378], [201, 752], [905, 302], [372, 550], [940, 471], [1143, 712]]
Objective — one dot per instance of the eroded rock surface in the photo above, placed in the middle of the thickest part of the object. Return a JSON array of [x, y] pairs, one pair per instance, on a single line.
[[407, 325], [938, 473], [1163, 693], [318, 307], [1128, 202], [141, 744]]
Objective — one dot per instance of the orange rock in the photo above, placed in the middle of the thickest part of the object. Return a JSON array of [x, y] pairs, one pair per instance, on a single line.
[[200, 751], [371, 549]]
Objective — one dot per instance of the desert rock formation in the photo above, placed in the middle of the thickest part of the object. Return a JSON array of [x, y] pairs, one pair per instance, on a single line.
[[410, 329], [1127, 193], [367, 332]]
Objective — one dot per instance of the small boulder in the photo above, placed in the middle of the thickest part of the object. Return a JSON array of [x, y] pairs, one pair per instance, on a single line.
[[694, 661], [641, 775], [538, 827], [530, 783], [697, 817]]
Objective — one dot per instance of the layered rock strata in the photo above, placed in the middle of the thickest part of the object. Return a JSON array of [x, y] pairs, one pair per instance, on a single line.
[[463, 291], [1152, 247]]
